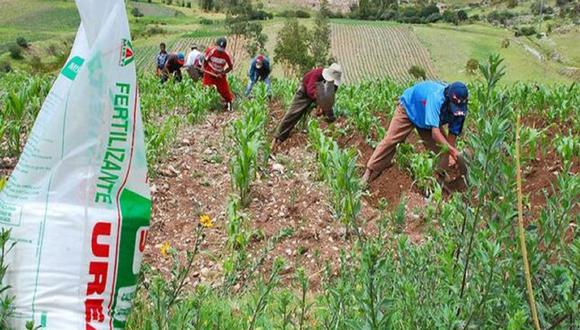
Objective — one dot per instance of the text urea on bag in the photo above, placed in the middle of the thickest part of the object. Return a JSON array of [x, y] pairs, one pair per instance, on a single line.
[[111, 169]]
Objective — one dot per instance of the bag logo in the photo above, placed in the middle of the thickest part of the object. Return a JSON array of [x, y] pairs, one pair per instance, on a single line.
[[127, 54]]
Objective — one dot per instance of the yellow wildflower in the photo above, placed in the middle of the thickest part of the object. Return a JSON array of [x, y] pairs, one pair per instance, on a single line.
[[2, 182], [206, 221], [164, 249]]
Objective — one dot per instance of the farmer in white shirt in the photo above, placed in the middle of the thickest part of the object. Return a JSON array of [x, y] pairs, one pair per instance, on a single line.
[[193, 64]]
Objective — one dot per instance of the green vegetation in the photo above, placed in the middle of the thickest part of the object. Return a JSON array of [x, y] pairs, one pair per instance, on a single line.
[[469, 261], [467, 271], [478, 42]]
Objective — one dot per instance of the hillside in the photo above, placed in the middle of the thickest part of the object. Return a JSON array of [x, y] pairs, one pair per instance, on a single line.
[[365, 48]]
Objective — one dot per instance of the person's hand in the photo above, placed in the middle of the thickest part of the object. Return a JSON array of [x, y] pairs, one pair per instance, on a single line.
[[452, 161], [453, 155]]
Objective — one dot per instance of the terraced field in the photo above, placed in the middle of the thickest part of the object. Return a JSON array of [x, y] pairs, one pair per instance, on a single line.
[[378, 51], [146, 55]]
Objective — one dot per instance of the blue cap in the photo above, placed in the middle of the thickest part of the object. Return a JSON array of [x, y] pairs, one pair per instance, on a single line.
[[458, 95], [180, 56]]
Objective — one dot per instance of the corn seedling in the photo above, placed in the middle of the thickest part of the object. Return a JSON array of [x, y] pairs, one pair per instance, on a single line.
[[7, 307]]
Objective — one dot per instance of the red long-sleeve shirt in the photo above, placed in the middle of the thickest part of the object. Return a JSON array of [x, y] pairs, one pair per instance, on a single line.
[[309, 82], [216, 61]]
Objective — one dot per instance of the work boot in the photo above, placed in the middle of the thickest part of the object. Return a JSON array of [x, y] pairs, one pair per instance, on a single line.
[[228, 107]]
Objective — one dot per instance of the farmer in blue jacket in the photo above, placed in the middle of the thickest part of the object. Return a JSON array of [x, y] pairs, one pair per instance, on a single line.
[[259, 71], [427, 107]]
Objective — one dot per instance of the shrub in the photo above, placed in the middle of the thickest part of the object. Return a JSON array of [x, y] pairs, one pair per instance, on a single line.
[[136, 12], [21, 41], [15, 52], [261, 15], [205, 21], [501, 17], [302, 14], [417, 72], [471, 66], [462, 15], [294, 13], [450, 16], [505, 43], [525, 31], [153, 30], [5, 67]]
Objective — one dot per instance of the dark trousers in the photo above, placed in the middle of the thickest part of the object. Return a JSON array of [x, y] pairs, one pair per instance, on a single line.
[[166, 73], [194, 73], [301, 104]]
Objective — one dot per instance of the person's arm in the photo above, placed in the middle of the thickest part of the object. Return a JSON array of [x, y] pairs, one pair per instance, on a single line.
[[229, 63], [311, 87], [252, 72], [440, 138]]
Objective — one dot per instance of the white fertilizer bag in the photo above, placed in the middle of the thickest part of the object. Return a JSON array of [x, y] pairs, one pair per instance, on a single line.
[[78, 201]]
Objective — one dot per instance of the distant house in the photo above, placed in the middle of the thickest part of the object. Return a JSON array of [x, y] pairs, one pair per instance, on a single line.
[[442, 7]]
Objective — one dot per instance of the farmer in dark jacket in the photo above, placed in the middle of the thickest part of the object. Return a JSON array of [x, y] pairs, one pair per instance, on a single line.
[[161, 59], [306, 96], [427, 107], [259, 71], [173, 67]]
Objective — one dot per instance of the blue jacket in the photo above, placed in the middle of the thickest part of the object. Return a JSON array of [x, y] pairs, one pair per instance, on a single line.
[[426, 107], [261, 73]]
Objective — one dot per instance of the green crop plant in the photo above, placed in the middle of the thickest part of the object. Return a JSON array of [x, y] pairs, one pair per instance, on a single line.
[[248, 134], [264, 291], [238, 233], [346, 187], [568, 147], [422, 168], [534, 143], [338, 168], [7, 307]]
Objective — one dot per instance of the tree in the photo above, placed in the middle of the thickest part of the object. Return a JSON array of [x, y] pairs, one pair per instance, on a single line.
[[207, 5], [292, 45], [242, 29], [461, 15], [471, 66], [320, 43]]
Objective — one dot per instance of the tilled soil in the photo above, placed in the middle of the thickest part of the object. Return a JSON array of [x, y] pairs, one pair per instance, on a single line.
[[194, 180]]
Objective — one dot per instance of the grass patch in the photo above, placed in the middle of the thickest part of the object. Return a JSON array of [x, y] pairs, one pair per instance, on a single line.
[[451, 47]]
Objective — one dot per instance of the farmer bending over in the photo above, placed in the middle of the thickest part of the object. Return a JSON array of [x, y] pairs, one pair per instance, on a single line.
[[259, 71], [427, 107], [173, 67], [193, 64], [307, 95], [216, 65], [161, 59]]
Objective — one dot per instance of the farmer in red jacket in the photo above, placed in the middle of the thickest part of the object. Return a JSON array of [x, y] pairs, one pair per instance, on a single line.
[[217, 64], [306, 96]]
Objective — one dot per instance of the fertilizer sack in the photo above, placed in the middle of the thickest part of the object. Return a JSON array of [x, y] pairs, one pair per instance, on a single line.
[[78, 201]]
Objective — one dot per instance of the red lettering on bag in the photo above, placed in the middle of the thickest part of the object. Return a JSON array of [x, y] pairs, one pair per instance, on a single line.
[[98, 271], [142, 240], [100, 229], [94, 310]]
